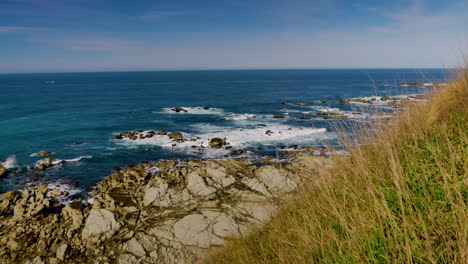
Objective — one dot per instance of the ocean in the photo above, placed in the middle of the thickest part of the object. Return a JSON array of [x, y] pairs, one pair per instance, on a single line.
[[75, 115]]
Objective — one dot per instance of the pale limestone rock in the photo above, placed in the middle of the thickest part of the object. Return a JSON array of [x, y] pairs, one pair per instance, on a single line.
[[61, 251], [155, 193], [218, 176], [127, 259], [256, 185], [134, 247], [259, 212], [192, 231], [275, 181], [197, 186], [224, 225], [100, 222]]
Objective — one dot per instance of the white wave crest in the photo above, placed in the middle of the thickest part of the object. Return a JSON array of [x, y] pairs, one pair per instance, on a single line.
[[78, 158], [198, 110], [9, 162], [236, 137]]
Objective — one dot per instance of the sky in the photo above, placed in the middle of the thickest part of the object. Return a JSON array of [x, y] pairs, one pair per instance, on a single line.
[[122, 35]]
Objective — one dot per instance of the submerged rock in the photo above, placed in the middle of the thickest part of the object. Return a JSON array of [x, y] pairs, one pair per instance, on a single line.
[[43, 153], [278, 116]]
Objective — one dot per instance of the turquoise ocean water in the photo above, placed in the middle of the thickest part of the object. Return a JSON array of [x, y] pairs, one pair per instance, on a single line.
[[74, 115]]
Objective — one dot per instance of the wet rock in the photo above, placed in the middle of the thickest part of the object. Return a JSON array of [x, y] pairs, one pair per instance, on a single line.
[[179, 109], [162, 132], [278, 116], [45, 164], [311, 102], [3, 171], [328, 114], [298, 104], [269, 132], [323, 101], [217, 142], [304, 118], [343, 102], [43, 153], [176, 136], [238, 152]]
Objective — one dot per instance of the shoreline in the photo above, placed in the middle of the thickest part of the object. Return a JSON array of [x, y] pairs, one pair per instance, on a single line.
[[172, 210]]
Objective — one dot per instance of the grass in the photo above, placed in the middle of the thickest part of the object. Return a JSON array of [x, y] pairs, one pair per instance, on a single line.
[[400, 198]]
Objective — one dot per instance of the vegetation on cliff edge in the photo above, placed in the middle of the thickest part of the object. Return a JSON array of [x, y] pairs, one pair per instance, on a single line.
[[400, 198]]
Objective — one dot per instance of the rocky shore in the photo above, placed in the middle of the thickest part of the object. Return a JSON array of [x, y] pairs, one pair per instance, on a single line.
[[154, 212]]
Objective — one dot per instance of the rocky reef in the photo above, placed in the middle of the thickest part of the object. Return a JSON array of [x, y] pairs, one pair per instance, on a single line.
[[155, 212]]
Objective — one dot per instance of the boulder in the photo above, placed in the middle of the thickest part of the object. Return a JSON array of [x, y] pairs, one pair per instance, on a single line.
[[176, 136], [269, 132], [162, 132], [217, 142], [179, 109], [43, 153], [278, 116], [72, 212]]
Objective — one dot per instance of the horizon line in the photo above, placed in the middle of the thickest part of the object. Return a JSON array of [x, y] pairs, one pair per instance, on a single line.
[[233, 69]]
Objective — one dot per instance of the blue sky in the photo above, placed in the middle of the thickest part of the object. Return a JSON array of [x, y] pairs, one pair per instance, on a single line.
[[118, 35]]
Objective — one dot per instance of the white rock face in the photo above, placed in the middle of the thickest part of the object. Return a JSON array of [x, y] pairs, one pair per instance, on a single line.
[[218, 175], [155, 193], [192, 231], [100, 221], [60, 254], [197, 186], [275, 181], [132, 246], [224, 226]]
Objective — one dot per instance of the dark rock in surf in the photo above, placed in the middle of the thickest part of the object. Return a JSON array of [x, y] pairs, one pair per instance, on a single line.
[[3, 172], [217, 142], [179, 109], [176, 136]]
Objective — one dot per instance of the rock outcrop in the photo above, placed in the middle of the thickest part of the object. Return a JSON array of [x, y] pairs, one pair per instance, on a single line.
[[217, 142], [3, 171], [166, 212]]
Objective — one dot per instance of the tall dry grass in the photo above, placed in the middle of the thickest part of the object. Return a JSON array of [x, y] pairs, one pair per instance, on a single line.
[[400, 198]]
